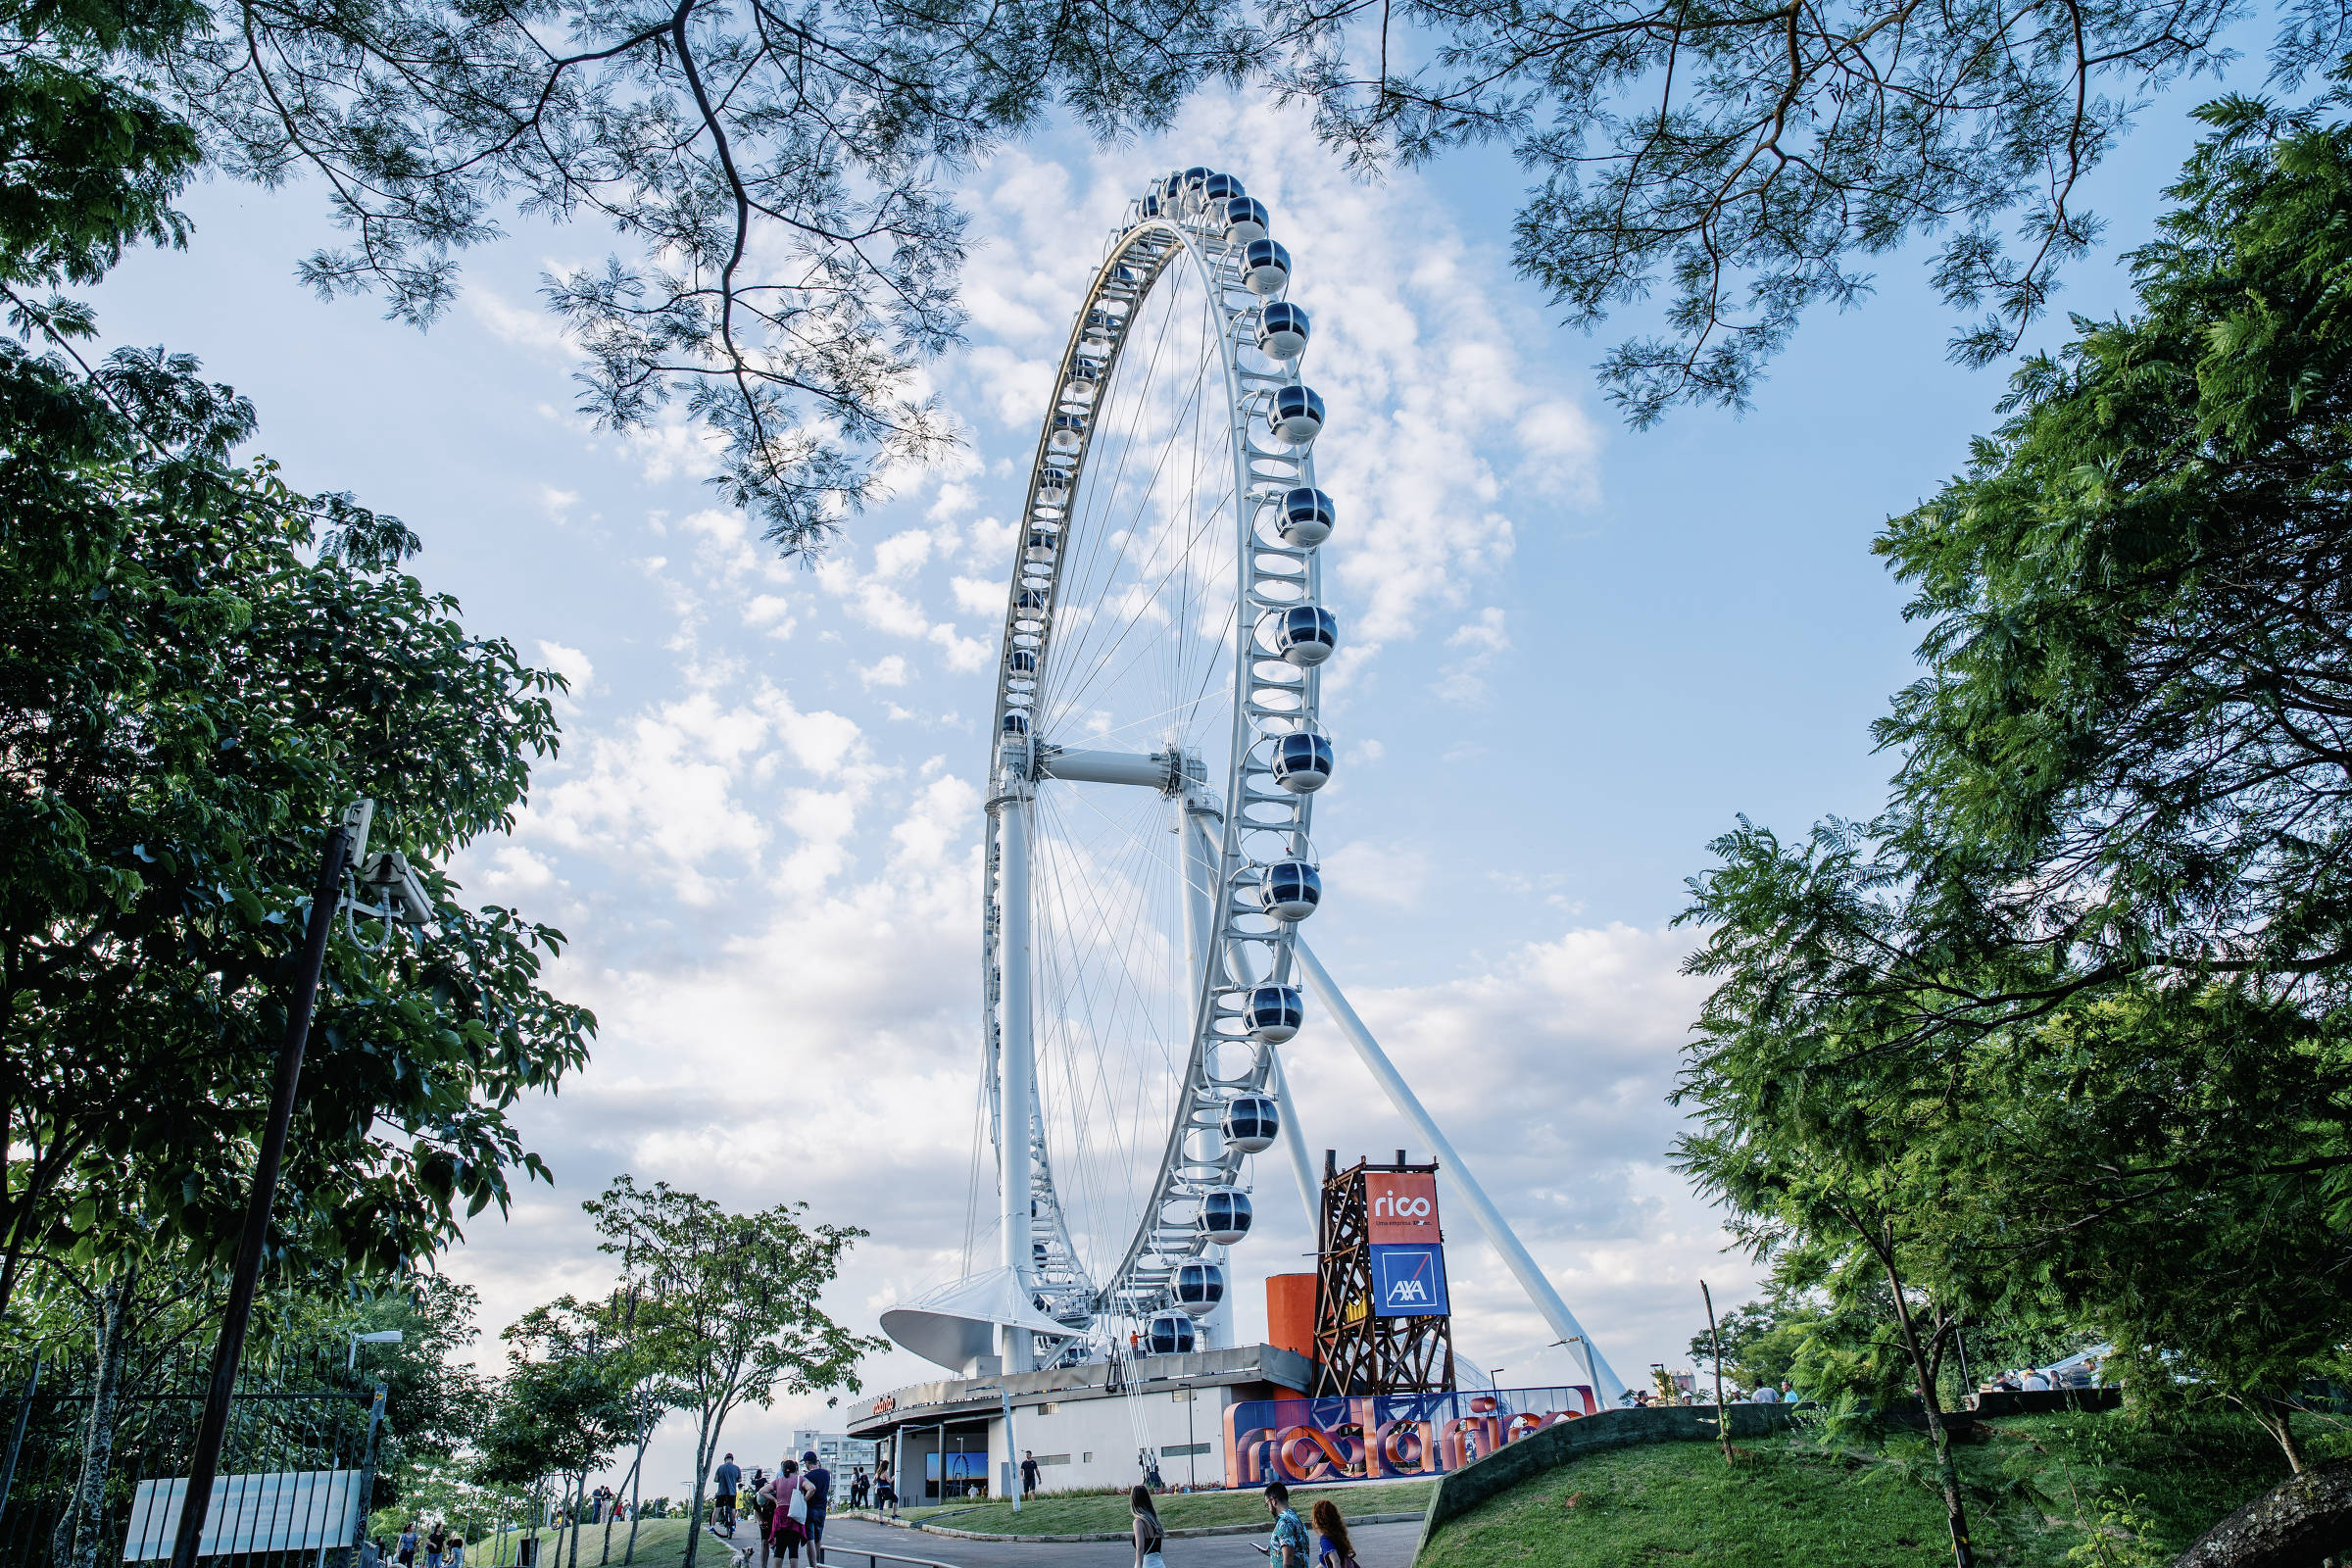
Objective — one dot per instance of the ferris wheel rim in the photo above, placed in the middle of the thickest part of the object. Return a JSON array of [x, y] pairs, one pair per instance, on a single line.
[[1140, 259]]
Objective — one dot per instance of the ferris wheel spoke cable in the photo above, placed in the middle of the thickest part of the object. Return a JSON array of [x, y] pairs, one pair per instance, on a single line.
[[1144, 650], [1092, 530], [1122, 537], [1102, 921], [1204, 521], [1096, 1030], [1138, 596]]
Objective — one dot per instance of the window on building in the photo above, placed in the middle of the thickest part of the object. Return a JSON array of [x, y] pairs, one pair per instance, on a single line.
[[1049, 1407]]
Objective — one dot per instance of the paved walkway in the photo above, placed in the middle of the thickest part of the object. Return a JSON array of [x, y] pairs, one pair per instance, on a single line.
[[1376, 1547]]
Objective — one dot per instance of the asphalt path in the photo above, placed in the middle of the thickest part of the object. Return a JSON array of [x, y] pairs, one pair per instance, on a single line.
[[846, 1539]]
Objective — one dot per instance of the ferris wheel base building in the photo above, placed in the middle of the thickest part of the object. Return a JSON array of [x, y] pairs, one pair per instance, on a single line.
[[1084, 1425]]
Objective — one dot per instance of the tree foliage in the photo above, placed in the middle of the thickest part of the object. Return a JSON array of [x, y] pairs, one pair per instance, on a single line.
[[201, 668], [726, 1306], [2075, 1004], [782, 179]]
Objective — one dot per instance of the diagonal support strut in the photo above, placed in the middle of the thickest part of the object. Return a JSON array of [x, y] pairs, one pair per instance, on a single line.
[[1515, 1257]]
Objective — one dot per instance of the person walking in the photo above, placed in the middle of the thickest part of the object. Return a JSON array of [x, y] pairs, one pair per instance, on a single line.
[[886, 1491], [1028, 1472], [817, 1482], [792, 1511], [1285, 1545], [1332, 1548], [406, 1547], [454, 1556], [763, 1507], [726, 1478], [434, 1541], [1149, 1536]]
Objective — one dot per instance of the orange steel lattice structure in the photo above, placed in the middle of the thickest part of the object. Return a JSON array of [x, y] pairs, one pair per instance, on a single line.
[[1358, 1350]]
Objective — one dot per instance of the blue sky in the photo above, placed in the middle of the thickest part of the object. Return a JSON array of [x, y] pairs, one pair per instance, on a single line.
[[1572, 653]]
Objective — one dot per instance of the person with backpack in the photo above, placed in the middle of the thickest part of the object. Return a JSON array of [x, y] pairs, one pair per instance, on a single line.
[[764, 1504], [1332, 1548], [817, 1482], [1149, 1536]]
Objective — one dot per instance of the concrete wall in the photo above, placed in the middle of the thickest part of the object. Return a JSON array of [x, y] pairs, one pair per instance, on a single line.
[[1111, 1430]]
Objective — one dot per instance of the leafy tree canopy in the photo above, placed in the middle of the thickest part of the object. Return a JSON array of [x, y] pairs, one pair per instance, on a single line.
[[2071, 1009], [201, 670], [782, 179]]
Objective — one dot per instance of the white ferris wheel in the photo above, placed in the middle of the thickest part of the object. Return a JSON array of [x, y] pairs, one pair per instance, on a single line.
[[1157, 746]]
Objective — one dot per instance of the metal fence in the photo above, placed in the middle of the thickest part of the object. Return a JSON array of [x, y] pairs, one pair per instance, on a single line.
[[294, 1477]]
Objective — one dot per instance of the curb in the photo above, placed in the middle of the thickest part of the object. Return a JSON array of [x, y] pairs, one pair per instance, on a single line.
[[1114, 1535]]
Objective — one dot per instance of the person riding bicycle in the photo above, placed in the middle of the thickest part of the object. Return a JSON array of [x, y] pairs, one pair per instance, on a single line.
[[728, 1476]]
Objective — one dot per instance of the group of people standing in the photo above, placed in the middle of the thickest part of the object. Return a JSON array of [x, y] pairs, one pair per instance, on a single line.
[[790, 1509]]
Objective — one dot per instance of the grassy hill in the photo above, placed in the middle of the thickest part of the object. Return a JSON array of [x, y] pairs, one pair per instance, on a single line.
[[2078, 1491], [1080, 1513], [660, 1543]]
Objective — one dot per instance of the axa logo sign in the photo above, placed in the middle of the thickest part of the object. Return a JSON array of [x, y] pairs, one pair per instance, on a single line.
[[1408, 1281], [1401, 1206]]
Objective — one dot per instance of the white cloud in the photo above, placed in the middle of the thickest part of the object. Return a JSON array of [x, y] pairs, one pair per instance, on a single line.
[[524, 326], [890, 670], [1379, 872], [570, 664], [1464, 680]]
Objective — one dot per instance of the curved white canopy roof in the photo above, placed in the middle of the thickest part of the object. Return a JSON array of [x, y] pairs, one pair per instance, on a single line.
[[956, 1323]]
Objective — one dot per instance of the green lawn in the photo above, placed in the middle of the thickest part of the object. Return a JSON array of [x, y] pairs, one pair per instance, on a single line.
[[2038, 1486], [660, 1543], [1081, 1513]]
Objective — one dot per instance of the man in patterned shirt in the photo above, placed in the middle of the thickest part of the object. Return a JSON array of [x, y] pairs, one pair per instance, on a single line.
[[1286, 1548]]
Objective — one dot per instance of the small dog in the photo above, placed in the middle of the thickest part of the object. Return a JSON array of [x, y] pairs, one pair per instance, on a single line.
[[737, 1556]]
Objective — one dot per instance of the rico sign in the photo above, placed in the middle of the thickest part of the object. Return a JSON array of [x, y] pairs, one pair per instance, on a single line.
[[1401, 1207]]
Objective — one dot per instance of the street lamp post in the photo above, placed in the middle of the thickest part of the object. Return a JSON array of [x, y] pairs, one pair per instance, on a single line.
[[346, 846], [351, 1364]]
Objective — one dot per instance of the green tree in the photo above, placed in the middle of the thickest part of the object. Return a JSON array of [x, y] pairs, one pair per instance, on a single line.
[[563, 1409], [1761, 1340], [201, 667], [728, 1309], [2078, 994]]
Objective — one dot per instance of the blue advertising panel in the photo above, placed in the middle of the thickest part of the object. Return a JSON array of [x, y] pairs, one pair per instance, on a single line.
[[1408, 1281]]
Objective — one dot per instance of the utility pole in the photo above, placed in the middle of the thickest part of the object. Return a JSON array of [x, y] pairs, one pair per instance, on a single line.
[[196, 1500]]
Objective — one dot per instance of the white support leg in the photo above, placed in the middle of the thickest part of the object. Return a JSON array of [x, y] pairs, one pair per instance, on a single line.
[[1605, 1385], [1018, 1064], [1293, 1141]]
